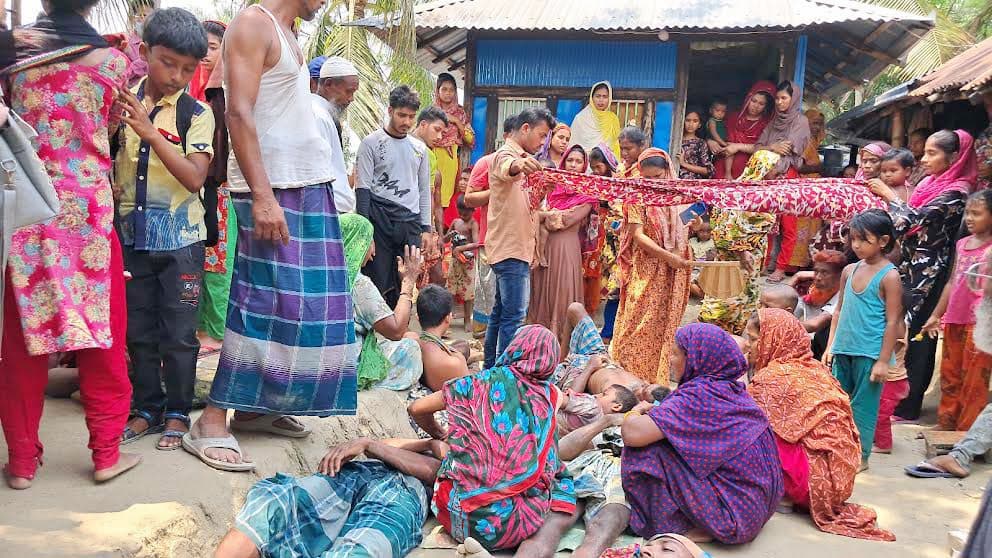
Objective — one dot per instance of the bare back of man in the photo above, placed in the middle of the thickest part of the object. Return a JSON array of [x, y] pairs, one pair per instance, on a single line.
[[441, 362]]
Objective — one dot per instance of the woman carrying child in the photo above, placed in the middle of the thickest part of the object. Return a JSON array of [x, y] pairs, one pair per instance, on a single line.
[[927, 227], [813, 423], [744, 127]]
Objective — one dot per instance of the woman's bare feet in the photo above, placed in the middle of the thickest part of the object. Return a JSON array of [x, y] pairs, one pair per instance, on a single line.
[[17, 483], [948, 464], [125, 463], [207, 342], [777, 276], [698, 535], [876, 449], [472, 549]]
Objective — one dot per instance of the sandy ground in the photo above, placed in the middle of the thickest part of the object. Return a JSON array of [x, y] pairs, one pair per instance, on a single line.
[[172, 506]]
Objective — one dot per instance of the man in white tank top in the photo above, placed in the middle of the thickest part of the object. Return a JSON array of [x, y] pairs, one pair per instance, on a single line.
[[289, 349]]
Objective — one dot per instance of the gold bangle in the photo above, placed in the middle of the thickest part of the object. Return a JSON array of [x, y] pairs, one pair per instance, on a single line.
[[631, 412]]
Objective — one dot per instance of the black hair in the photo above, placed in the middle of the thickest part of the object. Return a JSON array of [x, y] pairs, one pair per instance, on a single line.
[[432, 114], [921, 133], [446, 77], [77, 6], [596, 154], [434, 304], [785, 85], [634, 135], [900, 155], [659, 393], [876, 222], [625, 397], [699, 112], [466, 170], [404, 97], [983, 195], [718, 101], [534, 116], [946, 141], [657, 162], [509, 123], [460, 203], [177, 30], [600, 86], [769, 102], [214, 28]]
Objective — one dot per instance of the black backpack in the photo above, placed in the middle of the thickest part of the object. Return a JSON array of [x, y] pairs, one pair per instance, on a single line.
[[186, 108]]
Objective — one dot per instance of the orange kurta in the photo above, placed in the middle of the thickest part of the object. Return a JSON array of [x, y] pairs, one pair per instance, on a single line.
[[806, 406]]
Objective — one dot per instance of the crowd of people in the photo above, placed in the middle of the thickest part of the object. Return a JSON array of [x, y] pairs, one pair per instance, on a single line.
[[206, 206]]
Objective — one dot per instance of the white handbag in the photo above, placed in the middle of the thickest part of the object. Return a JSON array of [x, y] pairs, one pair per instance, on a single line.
[[28, 195]]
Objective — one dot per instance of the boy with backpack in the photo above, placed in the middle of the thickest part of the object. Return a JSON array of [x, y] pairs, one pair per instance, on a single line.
[[160, 167]]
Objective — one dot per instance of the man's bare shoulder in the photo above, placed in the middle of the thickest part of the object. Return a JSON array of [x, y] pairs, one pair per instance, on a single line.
[[251, 25]]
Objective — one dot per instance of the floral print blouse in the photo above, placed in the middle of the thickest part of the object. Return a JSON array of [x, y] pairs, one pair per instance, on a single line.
[[695, 152]]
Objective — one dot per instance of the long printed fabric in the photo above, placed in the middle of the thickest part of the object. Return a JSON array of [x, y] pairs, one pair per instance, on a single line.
[[824, 198]]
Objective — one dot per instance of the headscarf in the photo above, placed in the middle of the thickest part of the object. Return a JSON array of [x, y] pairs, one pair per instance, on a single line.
[[593, 126], [544, 153], [812, 151], [665, 220], [790, 126], [817, 139], [563, 199], [54, 36], [710, 418], [502, 423], [878, 149], [201, 79], [805, 405], [450, 137], [612, 164], [960, 176], [356, 233]]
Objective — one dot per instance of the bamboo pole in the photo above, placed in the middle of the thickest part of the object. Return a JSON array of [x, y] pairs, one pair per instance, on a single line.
[[898, 129], [15, 13]]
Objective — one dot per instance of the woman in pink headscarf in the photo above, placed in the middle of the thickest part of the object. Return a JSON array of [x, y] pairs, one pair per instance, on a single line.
[[559, 283], [928, 228]]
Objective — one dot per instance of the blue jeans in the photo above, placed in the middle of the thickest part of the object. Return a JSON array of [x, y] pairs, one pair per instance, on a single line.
[[510, 308]]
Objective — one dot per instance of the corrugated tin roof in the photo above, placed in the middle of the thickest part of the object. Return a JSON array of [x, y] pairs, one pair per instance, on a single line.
[[968, 72], [849, 41], [647, 15]]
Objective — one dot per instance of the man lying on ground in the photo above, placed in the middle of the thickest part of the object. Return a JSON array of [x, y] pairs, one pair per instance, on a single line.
[[349, 509]]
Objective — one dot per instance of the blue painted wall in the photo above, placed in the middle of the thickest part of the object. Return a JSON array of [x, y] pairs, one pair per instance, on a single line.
[[800, 75], [663, 112], [567, 109], [575, 63], [479, 107]]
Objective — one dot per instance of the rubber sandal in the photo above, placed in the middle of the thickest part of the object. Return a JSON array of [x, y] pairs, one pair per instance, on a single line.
[[267, 423], [154, 427], [197, 447], [924, 470], [173, 433]]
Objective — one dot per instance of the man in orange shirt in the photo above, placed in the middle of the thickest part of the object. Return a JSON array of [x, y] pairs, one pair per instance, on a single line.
[[510, 234]]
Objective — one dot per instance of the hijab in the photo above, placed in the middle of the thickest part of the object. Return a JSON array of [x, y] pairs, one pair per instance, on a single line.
[[593, 126], [878, 149], [544, 153], [612, 164], [502, 423], [710, 418], [783, 338], [960, 176], [54, 36], [664, 220], [563, 199], [742, 130], [792, 126], [356, 233]]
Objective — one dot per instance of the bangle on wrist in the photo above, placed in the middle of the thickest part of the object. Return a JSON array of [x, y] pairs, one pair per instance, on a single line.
[[631, 413]]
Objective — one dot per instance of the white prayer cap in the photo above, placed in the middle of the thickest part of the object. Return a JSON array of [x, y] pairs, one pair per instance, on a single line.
[[336, 66]]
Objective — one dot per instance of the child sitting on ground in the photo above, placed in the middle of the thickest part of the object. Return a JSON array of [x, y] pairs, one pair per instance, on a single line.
[[703, 250], [580, 409], [464, 235], [780, 296]]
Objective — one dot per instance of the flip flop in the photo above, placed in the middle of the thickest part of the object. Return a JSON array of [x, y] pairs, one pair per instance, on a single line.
[[197, 447], [267, 423], [924, 470]]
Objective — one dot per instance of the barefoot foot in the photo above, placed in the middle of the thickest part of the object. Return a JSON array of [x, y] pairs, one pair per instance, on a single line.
[[125, 463], [17, 483], [473, 549]]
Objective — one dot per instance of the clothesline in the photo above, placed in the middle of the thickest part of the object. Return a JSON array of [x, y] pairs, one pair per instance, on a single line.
[[824, 198]]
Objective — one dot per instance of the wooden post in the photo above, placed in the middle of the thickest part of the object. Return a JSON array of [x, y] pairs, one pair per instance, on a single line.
[[898, 129], [15, 13], [465, 155], [681, 92]]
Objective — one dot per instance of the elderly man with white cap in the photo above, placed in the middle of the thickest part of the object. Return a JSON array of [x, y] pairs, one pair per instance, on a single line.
[[335, 90]]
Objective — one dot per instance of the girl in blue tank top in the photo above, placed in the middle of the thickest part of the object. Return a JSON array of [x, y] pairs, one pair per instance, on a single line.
[[867, 322]]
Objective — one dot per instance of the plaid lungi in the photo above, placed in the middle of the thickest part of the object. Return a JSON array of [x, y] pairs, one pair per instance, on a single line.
[[290, 346]]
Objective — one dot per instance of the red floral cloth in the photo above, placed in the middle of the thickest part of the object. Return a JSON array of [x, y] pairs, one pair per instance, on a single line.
[[824, 198]]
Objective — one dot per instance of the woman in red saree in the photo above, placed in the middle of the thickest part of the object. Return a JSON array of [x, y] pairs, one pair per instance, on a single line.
[[813, 424], [745, 126]]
